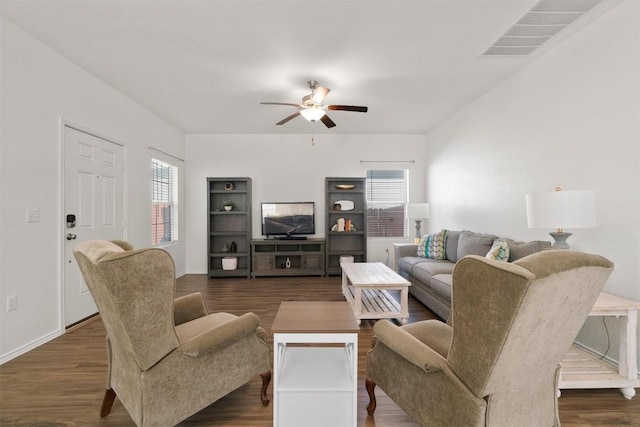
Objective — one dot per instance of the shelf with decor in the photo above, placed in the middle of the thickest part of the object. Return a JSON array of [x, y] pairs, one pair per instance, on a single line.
[[345, 221], [229, 226]]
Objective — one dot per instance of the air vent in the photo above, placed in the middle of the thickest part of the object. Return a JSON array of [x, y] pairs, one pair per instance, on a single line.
[[545, 19]]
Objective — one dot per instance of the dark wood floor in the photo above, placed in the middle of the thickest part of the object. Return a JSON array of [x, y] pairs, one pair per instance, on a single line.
[[62, 382]]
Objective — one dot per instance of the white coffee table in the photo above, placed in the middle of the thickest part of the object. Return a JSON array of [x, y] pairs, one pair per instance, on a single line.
[[366, 284]]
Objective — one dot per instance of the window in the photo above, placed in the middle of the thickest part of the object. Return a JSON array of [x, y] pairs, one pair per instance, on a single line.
[[386, 202], [164, 204]]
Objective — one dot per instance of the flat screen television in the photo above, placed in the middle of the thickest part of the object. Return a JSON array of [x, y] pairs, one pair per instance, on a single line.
[[288, 219]]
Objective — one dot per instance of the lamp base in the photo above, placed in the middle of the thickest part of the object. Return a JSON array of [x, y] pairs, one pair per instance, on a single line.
[[560, 240], [416, 239]]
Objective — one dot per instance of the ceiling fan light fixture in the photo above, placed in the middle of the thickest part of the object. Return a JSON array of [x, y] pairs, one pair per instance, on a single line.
[[312, 114], [313, 107]]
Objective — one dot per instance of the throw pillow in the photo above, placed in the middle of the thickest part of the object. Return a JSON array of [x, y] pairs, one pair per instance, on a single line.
[[451, 245], [471, 243], [433, 246], [499, 251]]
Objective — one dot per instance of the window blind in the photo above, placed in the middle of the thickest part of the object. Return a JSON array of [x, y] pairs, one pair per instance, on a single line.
[[386, 201], [164, 204]]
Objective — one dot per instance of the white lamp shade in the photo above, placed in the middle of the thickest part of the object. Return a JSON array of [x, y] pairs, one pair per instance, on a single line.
[[561, 209], [312, 114], [418, 210]]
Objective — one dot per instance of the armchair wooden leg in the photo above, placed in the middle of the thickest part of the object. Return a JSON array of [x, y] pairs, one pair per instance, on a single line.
[[370, 386], [266, 379], [107, 402]]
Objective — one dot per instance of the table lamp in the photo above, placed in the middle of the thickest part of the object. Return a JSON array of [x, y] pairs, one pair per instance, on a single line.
[[559, 210], [418, 211]]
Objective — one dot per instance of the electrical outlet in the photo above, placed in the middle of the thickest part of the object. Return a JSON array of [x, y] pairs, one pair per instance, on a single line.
[[33, 215], [12, 303]]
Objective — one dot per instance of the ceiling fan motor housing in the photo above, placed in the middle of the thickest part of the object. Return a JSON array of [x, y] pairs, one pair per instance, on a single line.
[[307, 101]]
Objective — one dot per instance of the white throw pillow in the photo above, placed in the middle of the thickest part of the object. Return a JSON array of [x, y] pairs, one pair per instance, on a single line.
[[499, 251]]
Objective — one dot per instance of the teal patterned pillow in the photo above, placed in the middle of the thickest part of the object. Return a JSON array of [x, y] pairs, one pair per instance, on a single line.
[[433, 246], [499, 251]]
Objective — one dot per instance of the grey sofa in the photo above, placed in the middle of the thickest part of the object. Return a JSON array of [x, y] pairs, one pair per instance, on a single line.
[[431, 278]]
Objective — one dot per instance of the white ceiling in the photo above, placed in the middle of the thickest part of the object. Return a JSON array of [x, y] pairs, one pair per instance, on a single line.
[[205, 65]]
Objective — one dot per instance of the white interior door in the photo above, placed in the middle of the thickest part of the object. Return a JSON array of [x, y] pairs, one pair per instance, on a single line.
[[93, 208]]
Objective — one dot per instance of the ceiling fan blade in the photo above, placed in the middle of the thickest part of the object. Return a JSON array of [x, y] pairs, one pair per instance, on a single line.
[[348, 108], [291, 117], [327, 121], [280, 103], [319, 94]]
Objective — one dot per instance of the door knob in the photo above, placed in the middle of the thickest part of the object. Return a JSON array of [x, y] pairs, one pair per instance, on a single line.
[[71, 236]]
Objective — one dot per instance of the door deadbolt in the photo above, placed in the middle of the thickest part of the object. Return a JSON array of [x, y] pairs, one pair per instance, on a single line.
[[71, 221]]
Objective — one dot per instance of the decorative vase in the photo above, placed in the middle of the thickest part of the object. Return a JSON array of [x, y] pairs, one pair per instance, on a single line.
[[287, 263]]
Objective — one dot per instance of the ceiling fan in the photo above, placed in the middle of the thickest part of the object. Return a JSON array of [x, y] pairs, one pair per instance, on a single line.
[[313, 108]]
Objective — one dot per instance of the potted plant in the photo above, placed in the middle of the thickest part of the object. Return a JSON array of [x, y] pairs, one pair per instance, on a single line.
[[228, 205]]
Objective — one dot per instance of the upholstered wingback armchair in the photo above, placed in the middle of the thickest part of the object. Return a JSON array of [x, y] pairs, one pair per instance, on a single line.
[[168, 358], [497, 361]]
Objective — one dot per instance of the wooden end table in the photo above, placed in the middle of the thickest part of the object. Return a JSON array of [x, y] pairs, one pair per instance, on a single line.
[[582, 370], [366, 284], [315, 364]]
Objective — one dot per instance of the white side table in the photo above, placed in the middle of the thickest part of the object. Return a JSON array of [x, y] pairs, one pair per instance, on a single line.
[[582, 370], [315, 364]]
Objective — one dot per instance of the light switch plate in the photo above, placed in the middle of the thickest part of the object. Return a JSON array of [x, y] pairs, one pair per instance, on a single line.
[[33, 215], [12, 303]]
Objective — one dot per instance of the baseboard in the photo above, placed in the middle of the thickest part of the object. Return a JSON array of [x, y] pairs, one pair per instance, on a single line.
[[29, 346], [82, 323], [595, 354]]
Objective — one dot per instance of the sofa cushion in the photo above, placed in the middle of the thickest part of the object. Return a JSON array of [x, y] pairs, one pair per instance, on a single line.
[[441, 283], [451, 245], [471, 243], [425, 270], [519, 250], [407, 262], [499, 251], [432, 246]]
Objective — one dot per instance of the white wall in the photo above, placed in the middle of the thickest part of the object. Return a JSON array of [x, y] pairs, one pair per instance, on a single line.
[[290, 168], [570, 119], [39, 89]]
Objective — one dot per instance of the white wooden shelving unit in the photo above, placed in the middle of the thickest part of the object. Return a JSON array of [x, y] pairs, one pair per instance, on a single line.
[[315, 365]]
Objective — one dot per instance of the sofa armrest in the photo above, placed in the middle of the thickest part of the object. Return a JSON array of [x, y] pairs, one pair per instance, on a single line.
[[188, 307], [402, 250], [220, 336], [408, 347]]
